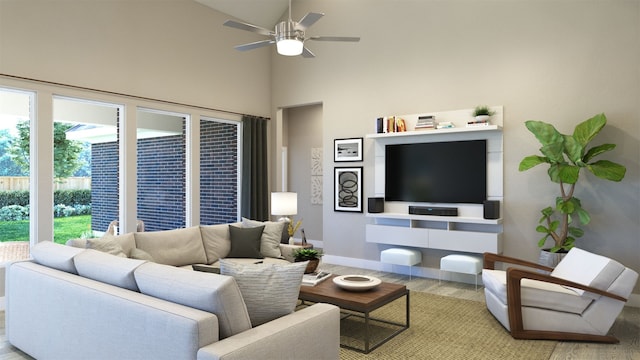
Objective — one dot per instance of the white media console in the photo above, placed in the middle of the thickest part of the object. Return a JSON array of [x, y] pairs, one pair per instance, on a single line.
[[467, 232]]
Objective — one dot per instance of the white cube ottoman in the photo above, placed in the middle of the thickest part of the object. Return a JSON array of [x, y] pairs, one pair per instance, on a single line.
[[398, 256], [464, 264]]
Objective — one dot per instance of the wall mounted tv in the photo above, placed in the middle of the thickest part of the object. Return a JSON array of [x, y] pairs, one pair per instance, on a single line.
[[437, 172]]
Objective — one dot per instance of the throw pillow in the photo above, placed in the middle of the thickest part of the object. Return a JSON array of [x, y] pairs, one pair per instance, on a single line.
[[269, 290], [106, 244], [270, 240], [140, 255], [245, 242]]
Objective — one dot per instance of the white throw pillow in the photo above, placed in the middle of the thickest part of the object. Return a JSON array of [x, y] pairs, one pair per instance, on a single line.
[[271, 236], [269, 290]]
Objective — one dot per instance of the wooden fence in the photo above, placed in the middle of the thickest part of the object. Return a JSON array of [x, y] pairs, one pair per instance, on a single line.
[[16, 183]]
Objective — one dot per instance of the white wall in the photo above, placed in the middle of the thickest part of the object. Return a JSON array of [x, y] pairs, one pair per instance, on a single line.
[[167, 50], [557, 61]]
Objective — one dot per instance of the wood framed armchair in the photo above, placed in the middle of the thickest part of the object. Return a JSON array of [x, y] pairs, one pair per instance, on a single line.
[[577, 300]]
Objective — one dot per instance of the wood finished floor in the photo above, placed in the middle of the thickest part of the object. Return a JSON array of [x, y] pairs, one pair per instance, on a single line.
[[626, 327]]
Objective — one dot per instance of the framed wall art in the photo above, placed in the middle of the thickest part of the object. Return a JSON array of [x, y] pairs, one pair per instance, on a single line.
[[347, 189], [347, 149]]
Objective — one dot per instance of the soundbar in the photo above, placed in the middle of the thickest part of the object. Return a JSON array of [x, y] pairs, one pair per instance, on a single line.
[[432, 210]]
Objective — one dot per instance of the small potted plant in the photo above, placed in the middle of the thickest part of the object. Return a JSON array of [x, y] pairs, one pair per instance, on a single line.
[[482, 113], [307, 254]]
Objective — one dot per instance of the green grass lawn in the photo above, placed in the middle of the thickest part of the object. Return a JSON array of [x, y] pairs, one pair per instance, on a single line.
[[64, 228]]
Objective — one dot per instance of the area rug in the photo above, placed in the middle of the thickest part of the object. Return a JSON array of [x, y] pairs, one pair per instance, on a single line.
[[442, 328]]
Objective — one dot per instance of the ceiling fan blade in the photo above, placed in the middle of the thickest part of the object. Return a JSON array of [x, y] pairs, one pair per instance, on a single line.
[[254, 45], [247, 27], [307, 53], [334, 38], [308, 20]]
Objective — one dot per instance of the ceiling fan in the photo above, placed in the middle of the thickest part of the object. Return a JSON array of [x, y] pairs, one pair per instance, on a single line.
[[289, 36]]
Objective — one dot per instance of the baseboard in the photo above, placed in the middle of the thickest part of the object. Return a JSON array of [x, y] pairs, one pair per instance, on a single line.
[[430, 273]]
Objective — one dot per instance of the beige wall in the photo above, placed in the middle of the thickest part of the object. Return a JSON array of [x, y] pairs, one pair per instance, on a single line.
[[304, 132], [557, 61], [167, 50]]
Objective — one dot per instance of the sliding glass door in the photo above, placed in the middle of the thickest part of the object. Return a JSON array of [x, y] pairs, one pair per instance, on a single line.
[[16, 116]]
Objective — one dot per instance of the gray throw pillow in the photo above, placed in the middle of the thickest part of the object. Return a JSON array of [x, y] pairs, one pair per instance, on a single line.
[[245, 242], [271, 236], [269, 290]]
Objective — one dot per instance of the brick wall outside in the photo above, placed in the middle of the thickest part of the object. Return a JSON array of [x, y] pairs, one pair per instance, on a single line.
[[161, 179], [104, 185], [218, 173], [161, 182]]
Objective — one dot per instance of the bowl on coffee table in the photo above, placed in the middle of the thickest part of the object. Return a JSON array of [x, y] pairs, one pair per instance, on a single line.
[[356, 282]]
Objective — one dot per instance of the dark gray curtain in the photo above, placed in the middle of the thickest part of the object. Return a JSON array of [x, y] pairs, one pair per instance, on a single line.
[[255, 187]]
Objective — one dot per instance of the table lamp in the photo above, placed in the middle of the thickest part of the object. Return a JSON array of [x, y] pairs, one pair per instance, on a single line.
[[284, 204]]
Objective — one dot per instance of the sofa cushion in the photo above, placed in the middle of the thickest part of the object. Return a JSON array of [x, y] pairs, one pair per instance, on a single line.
[[216, 240], [245, 242], [535, 293], [107, 245], [56, 256], [213, 293], [271, 236], [173, 247], [141, 255], [107, 268], [588, 269], [269, 291]]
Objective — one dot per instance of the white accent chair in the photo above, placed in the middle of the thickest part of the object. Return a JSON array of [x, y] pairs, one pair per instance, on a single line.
[[579, 300]]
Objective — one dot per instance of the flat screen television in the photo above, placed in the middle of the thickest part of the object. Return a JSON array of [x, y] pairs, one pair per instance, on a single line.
[[437, 172]]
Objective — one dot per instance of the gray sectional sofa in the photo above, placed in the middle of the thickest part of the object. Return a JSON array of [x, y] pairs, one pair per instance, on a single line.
[[77, 303]]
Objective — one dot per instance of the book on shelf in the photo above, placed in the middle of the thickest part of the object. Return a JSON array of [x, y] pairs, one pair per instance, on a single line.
[[477, 123], [426, 122], [445, 125], [315, 278]]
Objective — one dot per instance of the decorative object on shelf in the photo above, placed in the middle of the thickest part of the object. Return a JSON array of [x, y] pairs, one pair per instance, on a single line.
[[482, 113], [347, 150], [348, 189], [566, 155], [308, 254], [356, 282]]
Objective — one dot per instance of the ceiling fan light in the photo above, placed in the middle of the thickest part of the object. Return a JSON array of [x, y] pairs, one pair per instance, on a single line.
[[289, 47]]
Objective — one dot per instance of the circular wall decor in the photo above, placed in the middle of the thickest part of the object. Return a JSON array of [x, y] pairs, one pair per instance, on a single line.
[[356, 282]]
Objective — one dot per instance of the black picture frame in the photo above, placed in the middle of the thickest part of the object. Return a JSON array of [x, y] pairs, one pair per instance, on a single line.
[[347, 189], [345, 150]]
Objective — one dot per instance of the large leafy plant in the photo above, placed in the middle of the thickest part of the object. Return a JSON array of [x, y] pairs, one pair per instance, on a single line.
[[566, 156]]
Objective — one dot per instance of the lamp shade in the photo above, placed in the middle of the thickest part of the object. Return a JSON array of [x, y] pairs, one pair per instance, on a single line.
[[284, 203]]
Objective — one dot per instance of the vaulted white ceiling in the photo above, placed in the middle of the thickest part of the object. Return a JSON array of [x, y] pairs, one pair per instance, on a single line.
[[265, 13]]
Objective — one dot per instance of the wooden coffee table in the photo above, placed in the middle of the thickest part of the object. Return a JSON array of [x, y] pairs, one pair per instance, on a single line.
[[363, 302]]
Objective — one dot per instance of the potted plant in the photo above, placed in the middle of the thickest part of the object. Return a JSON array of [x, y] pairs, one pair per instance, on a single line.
[[482, 113], [308, 254], [566, 156]]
